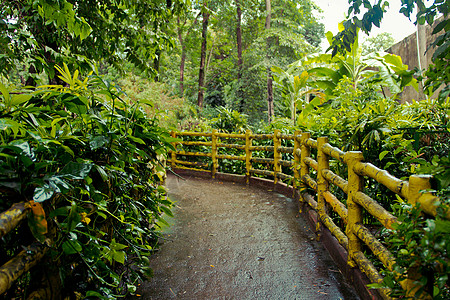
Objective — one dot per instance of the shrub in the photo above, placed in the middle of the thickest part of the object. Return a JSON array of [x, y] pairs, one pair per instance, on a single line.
[[91, 162]]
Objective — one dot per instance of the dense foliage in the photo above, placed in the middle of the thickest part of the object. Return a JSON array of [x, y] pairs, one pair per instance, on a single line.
[[425, 13], [405, 139], [37, 35], [295, 31], [80, 149], [93, 162]]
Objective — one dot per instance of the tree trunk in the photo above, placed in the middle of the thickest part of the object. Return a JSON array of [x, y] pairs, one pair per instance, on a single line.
[[239, 53], [183, 48], [183, 57], [201, 73], [270, 110], [156, 64]]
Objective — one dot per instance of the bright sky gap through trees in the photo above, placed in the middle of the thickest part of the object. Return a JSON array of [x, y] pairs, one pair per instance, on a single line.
[[397, 24]]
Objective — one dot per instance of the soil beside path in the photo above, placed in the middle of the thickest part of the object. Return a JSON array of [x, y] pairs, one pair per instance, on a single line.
[[229, 241]]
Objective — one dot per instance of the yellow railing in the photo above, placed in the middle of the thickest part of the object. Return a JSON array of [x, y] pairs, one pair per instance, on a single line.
[[355, 233], [28, 257]]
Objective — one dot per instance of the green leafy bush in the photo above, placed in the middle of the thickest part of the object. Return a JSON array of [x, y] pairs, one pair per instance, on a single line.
[[94, 163], [421, 244], [229, 121]]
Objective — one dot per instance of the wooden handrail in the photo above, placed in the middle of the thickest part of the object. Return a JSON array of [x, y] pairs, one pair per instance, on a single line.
[[356, 234]]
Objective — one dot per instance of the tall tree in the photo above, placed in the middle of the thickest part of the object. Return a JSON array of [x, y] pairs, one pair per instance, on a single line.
[[239, 51], [182, 40], [201, 73], [380, 42], [270, 110]]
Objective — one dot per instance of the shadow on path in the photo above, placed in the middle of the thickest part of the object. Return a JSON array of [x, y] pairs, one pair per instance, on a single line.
[[229, 241]]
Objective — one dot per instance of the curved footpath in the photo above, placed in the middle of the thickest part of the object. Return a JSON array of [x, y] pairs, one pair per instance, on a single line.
[[229, 241]]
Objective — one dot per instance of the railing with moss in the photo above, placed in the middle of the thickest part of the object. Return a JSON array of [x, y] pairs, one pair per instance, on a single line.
[[28, 257], [355, 234]]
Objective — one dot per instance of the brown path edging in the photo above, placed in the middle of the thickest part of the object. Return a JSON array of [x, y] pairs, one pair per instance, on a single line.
[[358, 279]]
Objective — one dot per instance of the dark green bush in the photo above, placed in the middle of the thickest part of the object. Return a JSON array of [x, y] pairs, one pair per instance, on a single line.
[[93, 161]]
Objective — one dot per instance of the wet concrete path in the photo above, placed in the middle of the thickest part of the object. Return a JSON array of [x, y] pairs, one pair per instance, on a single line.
[[229, 241]]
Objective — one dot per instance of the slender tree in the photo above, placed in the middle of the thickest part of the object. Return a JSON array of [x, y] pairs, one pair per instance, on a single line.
[[239, 51], [270, 110], [181, 39], [201, 73]]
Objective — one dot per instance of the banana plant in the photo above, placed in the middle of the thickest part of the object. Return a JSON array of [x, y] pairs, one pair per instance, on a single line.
[[381, 68], [296, 88]]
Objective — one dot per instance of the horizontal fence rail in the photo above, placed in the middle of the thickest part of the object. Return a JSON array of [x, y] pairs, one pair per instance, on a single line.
[[27, 258], [308, 165]]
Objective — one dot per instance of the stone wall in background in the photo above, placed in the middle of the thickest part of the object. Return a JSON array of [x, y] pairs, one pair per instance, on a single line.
[[407, 49]]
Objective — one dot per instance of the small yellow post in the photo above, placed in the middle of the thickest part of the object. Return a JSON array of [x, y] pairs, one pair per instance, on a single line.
[[416, 193], [174, 152], [248, 155], [296, 159], [322, 183], [305, 152], [215, 163], [417, 183], [355, 184], [276, 155]]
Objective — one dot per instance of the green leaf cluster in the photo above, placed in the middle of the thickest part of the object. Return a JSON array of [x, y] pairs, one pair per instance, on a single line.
[[437, 74], [94, 161], [39, 34], [420, 244]]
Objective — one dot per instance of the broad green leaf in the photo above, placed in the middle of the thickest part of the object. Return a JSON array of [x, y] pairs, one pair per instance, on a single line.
[[102, 173], [117, 246], [76, 105], [11, 124], [383, 154], [24, 146], [119, 256], [68, 150], [98, 141], [43, 193], [71, 247], [162, 222], [4, 92], [95, 294], [329, 35], [442, 226], [59, 182], [393, 59], [169, 139], [61, 211], [75, 170], [74, 218], [136, 140], [85, 29], [19, 99], [166, 210], [277, 70]]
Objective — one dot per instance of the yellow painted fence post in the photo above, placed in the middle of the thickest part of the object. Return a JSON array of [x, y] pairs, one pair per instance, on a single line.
[[248, 155], [276, 155], [297, 157], [355, 184], [322, 183], [305, 152], [215, 163], [174, 152]]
